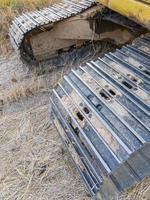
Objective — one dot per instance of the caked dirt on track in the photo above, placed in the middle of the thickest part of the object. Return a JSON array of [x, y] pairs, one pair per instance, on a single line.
[[33, 163]]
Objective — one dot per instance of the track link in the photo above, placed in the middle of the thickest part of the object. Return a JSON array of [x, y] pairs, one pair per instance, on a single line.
[[102, 113], [66, 26], [39, 20]]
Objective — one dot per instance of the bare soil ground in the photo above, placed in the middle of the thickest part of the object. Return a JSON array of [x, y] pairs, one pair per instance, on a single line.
[[33, 163]]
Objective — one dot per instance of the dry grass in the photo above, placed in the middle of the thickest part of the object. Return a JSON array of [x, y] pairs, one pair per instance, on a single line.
[[19, 90], [33, 165], [8, 10], [140, 192], [25, 3]]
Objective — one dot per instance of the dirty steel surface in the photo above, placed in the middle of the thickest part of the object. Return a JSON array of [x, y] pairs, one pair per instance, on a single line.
[[68, 26], [102, 113], [39, 20]]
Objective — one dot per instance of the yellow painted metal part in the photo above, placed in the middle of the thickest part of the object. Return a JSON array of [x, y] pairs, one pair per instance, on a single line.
[[137, 10]]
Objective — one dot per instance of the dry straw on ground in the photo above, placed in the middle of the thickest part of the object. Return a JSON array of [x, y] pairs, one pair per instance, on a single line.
[[19, 90], [33, 165]]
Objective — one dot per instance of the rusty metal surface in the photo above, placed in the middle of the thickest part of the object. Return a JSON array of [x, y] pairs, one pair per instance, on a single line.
[[102, 113]]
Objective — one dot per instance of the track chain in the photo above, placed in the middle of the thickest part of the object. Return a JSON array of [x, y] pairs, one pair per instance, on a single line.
[[37, 19], [102, 113]]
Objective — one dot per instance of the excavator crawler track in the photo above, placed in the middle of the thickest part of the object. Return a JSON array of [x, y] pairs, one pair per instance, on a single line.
[[39, 20], [102, 113], [65, 26]]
